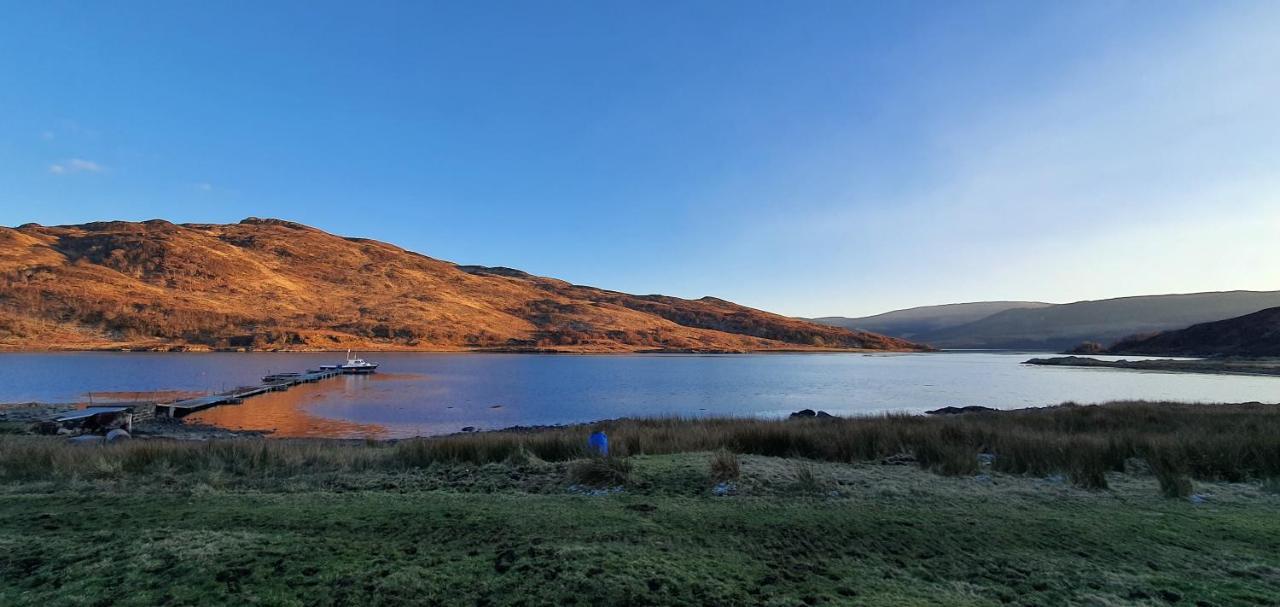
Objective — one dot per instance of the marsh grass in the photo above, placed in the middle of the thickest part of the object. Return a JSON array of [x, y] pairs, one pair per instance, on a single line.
[[725, 466], [1170, 468], [1203, 442], [809, 480], [608, 471]]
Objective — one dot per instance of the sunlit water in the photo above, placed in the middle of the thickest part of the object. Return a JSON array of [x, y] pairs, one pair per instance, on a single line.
[[419, 394]]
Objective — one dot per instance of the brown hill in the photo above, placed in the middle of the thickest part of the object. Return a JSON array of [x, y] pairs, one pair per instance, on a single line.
[[277, 285], [1256, 334]]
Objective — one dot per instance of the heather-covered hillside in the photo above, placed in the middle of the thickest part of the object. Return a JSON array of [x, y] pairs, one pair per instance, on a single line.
[[271, 284]]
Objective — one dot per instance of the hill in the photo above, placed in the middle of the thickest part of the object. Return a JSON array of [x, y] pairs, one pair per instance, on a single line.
[[1256, 334], [277, 285], [925, 320], [1061, 326]]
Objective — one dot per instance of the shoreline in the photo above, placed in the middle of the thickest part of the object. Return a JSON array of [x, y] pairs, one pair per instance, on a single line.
[[20, 419], [1248, 367], [381, 350]]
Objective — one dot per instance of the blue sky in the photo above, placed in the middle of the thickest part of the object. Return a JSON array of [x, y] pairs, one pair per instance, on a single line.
[[810, 158]]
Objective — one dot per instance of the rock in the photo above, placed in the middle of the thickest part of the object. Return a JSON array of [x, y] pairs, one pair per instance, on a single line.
[[899, 459], [986, 459], [1198, 498], [468, 428], [117, 435], [824, 414], [961, 410], [804, 413], [1056, 479], [723, 489]]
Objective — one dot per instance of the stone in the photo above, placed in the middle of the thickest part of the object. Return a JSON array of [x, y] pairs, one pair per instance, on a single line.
[[117, 435], [960, 410]]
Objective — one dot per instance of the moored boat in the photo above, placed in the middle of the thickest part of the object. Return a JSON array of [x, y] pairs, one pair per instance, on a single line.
[[353, 365]]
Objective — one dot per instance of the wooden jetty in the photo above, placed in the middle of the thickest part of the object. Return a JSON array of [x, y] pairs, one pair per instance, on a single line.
[[272, 383]]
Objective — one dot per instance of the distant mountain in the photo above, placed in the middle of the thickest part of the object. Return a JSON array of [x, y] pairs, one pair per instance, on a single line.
[[268, 284], [1062, 326], [1256, 334], [926, 320]]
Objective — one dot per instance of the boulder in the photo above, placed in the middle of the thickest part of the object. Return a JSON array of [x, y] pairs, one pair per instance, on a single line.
[[960, 410], [117, 435]]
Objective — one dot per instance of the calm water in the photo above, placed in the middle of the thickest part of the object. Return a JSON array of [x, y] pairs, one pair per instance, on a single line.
[[439, 393]]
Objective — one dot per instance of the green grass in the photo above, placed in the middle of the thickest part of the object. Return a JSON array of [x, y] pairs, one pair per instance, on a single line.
[[818, 514], [464, 534]]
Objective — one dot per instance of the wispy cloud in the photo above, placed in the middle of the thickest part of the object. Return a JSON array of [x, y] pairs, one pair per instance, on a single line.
[[48, 135], [204, 186], [76, 165]]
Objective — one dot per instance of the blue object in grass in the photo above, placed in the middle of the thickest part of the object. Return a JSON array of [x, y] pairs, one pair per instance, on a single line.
[[598, 444]]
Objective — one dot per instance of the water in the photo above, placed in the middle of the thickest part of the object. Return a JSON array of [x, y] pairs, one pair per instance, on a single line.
[[420, 394]]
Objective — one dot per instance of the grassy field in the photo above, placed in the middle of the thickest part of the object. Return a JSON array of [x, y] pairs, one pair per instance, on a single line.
[[689, 517]]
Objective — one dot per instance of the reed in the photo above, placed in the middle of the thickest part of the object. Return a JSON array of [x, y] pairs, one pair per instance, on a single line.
[[1193, 441]]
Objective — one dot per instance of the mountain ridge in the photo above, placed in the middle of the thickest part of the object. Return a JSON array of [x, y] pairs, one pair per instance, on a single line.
[[1057, 327], [1251, 335], [272, 284], [924, 319]]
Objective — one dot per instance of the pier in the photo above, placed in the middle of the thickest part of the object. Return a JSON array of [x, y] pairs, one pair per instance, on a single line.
[[271, 383]]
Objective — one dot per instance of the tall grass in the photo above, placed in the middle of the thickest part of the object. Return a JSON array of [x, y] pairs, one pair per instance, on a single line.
[[1204, 442], [725, 466]]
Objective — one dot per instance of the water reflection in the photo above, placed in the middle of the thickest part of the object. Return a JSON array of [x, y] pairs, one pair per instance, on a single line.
[[421, 394], [286, 414]]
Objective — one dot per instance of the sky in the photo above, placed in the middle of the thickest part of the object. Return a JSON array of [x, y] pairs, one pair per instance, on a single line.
[[808, 158]]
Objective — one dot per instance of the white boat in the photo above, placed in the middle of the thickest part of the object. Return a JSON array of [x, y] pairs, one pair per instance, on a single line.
[[353, 365]]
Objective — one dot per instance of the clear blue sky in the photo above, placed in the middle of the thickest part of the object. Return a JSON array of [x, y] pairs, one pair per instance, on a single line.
[[809, 158]]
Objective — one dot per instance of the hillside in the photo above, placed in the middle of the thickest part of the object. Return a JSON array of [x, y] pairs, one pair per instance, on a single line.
[[1256, 334], [276, 285], [1061, 326], [925, 320]]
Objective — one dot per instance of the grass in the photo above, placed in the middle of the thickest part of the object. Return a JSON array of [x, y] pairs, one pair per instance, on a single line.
[[454, 534], [1203, 442], [601, 471], [817, 515], [725, 466]]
